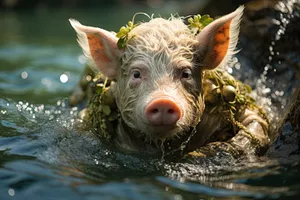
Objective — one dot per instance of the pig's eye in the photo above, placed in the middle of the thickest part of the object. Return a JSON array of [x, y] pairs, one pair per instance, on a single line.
[[186, 74], [136, 74]]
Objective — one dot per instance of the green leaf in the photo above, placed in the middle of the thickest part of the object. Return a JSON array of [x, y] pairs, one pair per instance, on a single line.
[[122, 42], [204, 17], [241, 99], [207, 21], [231, 82], [130, 24], [106, 109], [198, 22], [248, 88], [122, 32], [251, 99], [232, 108], [99, 90], [113, 116]]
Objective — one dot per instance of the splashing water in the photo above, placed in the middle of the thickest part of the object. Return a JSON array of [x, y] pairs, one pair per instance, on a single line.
[[43, 151], [269, 87], [278, 79]]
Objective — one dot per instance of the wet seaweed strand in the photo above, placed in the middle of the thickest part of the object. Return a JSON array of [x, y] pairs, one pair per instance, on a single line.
[[230, 97]]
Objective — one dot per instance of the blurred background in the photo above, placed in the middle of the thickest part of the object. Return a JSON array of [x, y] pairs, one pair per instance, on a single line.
[[38, 45], [45, 4]]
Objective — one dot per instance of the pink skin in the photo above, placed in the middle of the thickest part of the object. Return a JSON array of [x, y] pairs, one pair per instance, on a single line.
[[162, 112]]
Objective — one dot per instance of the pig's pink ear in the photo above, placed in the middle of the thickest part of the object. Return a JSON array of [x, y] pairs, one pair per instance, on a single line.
[[218, 40], [100, 47]]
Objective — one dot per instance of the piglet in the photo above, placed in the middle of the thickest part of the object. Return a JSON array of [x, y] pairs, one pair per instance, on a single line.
[[160, 86]]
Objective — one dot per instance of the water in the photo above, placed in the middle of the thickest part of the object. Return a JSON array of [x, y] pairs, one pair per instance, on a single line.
[[43, 155]]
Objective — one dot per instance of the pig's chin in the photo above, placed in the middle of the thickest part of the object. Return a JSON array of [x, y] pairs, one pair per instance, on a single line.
[[162, 132]]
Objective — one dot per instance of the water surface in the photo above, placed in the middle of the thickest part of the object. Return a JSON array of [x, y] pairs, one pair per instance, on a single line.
[[44, 156]]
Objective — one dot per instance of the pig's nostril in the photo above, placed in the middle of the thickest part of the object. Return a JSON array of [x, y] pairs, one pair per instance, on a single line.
[[155, 111], [171, 111]]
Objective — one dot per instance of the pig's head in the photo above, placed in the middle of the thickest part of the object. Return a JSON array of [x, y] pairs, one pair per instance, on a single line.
[[158, 74]]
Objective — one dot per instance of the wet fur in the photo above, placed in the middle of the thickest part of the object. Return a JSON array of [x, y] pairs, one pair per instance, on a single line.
[[160, 49]]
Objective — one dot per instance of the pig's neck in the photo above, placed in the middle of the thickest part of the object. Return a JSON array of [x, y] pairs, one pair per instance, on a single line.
[[209, 125], [129, 140]]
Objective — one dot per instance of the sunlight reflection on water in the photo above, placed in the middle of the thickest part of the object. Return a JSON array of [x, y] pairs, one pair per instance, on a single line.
[[44, 153]]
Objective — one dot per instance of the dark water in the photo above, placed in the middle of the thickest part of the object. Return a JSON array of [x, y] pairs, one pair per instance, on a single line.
[[44, 156]]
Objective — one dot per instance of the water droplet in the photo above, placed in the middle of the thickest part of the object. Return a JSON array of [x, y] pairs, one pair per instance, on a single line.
[[229, 70], [177, 197], [234, 59], [11, 192], [88, 78], [64, 78], [24, 75], [82, 59], [266, 90], [270, 48], [47, 82], [237, 65]]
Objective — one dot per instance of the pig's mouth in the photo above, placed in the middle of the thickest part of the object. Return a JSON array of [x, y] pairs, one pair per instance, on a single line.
[[163, 131]]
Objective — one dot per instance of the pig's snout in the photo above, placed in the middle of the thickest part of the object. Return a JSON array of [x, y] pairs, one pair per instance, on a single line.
[[163, 112]]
